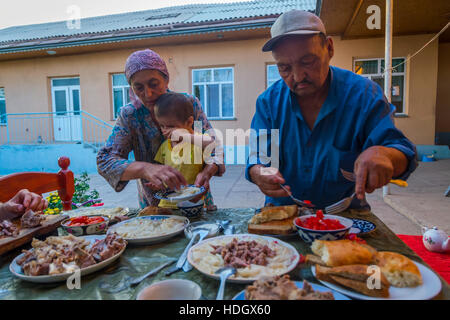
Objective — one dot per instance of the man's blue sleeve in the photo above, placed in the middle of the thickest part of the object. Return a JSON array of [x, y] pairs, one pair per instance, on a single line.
[[260, 131], [380, 130]]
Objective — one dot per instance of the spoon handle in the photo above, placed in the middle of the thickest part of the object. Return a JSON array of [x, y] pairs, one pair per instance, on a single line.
[[151, 272], [223, 278], [183, 256]]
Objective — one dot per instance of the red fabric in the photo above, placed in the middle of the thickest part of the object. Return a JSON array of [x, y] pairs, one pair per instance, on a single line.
[[439, 262]]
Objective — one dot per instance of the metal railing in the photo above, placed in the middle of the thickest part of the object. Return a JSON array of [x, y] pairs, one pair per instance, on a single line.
[[54, 127]]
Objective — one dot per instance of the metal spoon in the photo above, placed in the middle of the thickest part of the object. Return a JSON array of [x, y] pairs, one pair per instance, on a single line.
[[224, 273], [202, 233]]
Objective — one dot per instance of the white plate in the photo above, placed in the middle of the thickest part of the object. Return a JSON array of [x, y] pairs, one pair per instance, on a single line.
[[111, 212], [17, 271], [157, 239], [294, 258], [430, 287], [299, 284], [166, 194]]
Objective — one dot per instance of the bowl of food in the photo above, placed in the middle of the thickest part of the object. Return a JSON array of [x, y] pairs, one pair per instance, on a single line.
[[86, 225], [173, 289], [191, 209], [322, 227]]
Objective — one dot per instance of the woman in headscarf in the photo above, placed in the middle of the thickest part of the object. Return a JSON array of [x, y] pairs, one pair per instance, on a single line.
[[137, 130]]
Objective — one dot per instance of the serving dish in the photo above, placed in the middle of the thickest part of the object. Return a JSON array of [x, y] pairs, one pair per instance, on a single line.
[[17, 271], [151, 239], [201, 258], [172, 289], [430, 287], [185, 194], [86, 229], [309, 235], [299, 284], [110, 212], [362, 227], [191, 209]]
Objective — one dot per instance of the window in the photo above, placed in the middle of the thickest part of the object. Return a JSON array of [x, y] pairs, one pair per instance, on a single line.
[[2, 106], [121, 90], [214, 88], [272, 74], [374, 68]]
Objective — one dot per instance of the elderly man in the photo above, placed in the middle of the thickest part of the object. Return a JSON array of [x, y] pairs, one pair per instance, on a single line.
[[328, 118]]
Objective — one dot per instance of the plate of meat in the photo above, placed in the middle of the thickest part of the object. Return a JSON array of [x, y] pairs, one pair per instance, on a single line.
[[283, 288], [57, 258], [253, 256]]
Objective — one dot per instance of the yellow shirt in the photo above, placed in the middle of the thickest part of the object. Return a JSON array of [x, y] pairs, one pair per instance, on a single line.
[[185, 157]]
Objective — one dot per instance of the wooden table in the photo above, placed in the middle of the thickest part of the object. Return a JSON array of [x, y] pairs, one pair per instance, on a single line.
[[137, 260]]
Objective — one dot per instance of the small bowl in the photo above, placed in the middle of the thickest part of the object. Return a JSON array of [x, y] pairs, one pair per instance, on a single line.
[[173, 289], [191, 209], [88, 229], [213, 228], [309, 235]]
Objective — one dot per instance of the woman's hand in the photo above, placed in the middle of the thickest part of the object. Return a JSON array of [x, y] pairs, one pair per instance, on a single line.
[[23, 200], [162, 177], [202, 179]]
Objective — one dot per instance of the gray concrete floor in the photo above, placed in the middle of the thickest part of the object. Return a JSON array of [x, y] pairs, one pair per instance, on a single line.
[[404, 211]]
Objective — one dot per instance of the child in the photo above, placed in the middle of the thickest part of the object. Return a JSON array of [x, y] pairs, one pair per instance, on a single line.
[[174, 111]]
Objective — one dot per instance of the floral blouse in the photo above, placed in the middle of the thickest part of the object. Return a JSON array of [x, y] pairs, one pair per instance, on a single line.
[[135, 130]]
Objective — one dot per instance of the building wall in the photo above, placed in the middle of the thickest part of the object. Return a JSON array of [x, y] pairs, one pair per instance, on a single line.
[[27, 82], [443, 90], [421, 78]]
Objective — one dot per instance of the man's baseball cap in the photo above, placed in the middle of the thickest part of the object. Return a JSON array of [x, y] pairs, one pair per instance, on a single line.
[[294, 22]]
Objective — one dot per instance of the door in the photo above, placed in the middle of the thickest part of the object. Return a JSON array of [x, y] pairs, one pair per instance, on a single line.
[[66, 105]]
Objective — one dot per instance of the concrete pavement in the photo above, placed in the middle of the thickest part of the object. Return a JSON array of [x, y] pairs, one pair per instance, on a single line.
[[404, 211]]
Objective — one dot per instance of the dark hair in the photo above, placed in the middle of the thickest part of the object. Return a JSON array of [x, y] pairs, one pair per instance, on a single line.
[[175, 105]]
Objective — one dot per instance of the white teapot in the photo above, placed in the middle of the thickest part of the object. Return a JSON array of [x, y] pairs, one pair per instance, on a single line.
[[435, 240]]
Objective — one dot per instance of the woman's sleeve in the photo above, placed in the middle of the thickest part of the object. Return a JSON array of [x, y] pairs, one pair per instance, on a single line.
[[199, 115], [112, 159]]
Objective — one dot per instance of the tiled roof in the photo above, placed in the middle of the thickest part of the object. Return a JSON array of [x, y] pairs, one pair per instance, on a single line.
[[150, 19]]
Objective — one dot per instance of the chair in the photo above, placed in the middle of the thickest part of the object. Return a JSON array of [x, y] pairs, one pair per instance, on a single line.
[[41, 182]]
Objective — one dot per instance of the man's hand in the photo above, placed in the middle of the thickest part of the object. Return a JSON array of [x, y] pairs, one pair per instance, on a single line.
[[23, 200], [375, 167], [268, 180]]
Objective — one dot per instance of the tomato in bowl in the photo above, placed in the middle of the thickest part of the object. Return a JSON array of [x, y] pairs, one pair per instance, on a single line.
[[86, 225], [322, 227]]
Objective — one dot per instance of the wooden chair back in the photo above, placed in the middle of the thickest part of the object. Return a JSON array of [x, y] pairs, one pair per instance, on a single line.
[[41, 182]]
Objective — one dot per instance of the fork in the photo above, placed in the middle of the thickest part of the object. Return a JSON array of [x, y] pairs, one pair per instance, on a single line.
[[351, 177], [340, 205], [299, 202]]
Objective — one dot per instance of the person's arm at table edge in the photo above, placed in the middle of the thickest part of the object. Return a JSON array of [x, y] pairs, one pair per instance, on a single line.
[[387, 154]]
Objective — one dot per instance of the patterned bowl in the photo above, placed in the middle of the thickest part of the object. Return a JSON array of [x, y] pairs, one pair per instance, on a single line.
[[89, 229], [309, 235], [191, 209]]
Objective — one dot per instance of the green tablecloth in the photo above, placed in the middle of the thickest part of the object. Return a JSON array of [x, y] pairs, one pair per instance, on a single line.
[[137, 260]]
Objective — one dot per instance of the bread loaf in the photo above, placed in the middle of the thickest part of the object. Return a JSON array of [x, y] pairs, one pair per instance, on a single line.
[[274, 213], [353, 277], [398, 269], [343, 252]]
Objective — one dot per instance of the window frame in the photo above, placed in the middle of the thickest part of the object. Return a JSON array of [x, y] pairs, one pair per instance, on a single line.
[[269, 64], [380, 74], [124, 95], [204, 83], [3, 99]]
